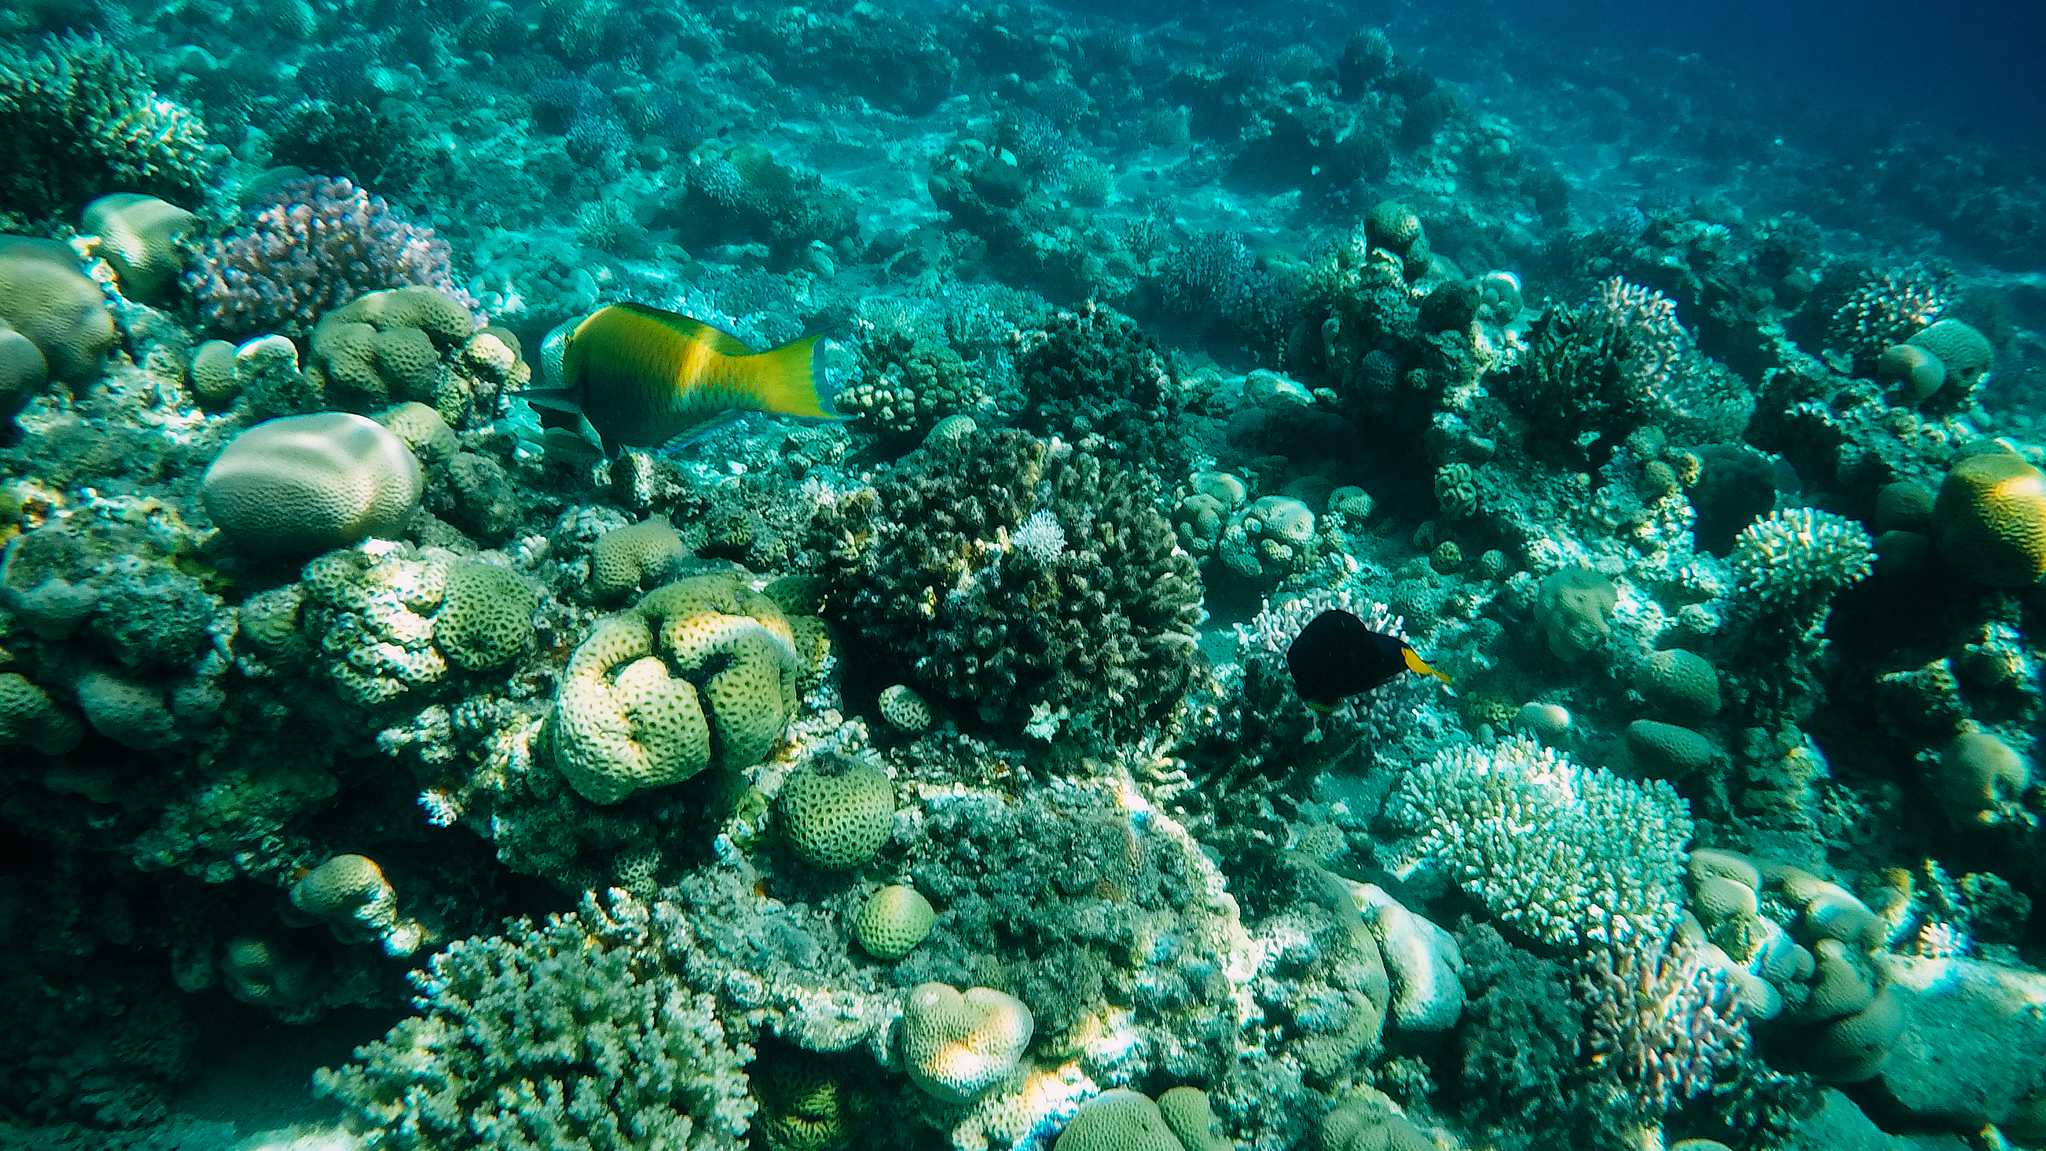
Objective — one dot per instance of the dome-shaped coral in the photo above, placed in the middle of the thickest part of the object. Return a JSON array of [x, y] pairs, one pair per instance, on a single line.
[[1990, 520]]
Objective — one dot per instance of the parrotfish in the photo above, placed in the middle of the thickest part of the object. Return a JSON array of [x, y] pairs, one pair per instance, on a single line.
[[1337, 656], [633, 376]]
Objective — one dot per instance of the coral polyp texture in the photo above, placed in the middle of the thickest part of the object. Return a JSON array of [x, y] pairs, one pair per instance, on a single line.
[[702, 671], [940, 742], [1098, 637], [1569, 855], [309, 246]]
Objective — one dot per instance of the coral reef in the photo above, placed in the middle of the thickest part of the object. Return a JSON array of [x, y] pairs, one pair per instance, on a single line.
[[1095, 643], [938, 775], [310, 246]]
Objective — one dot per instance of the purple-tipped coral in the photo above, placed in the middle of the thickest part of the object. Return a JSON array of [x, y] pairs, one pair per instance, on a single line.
[[315, 244], [1663, 1019]]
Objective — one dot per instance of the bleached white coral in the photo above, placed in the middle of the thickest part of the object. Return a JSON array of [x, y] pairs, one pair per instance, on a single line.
[[1788, 555], [1041, 537], [1568, 854]]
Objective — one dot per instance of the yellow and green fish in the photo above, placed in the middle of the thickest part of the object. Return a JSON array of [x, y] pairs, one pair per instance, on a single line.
[[633, 376]]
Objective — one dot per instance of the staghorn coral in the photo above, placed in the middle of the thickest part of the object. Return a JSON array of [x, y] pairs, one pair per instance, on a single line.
[[587, 1030], [1100, 640], [1568, 854], [79, 117], [313, 245]]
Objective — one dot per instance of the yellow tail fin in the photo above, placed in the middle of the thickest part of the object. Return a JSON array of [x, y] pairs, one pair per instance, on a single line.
[[787, 381], [1418, 667]]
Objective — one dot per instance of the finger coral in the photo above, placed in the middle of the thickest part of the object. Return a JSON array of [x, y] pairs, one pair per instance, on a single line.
[[1097, 640], [583, 1031], [79, 117], [311, 246], [1570, 855]]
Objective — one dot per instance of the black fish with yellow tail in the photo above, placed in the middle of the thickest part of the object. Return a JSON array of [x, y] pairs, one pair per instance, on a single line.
[[633, 376], [1337, 656]]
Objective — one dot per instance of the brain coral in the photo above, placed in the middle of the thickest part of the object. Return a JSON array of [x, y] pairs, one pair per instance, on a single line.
[[308, 483], [139, 236], [955, 1045], [1118, 1120], [625, 557], [27, 716], [1103, 636], [1964, 354], [741, 647], [45, 297], [23, 371], [1683, 682], [620, 721], [700, 671], [387, 345], [893, 921], [1990, 520], [486, 616]]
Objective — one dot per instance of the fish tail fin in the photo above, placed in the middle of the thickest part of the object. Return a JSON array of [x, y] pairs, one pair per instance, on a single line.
[[796, 379], [1419, 666]]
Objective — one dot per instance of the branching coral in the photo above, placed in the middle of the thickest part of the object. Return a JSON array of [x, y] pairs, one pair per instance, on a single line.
[[1092, 376], [313, 245], [583, 1031], [1568, 854], [1663, 1020], [1787, 568], [1620, 361], [79, 118], [1100, 638]]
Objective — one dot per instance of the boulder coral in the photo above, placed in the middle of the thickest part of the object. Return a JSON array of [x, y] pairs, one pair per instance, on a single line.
[[139, 236], [956, 1044], [1572, 607], [47, 299], [309, 483], [1990, 520], [701, 671], [836, 813]]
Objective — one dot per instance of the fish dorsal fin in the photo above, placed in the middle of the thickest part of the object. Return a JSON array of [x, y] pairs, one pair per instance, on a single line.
[[716, 339]]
